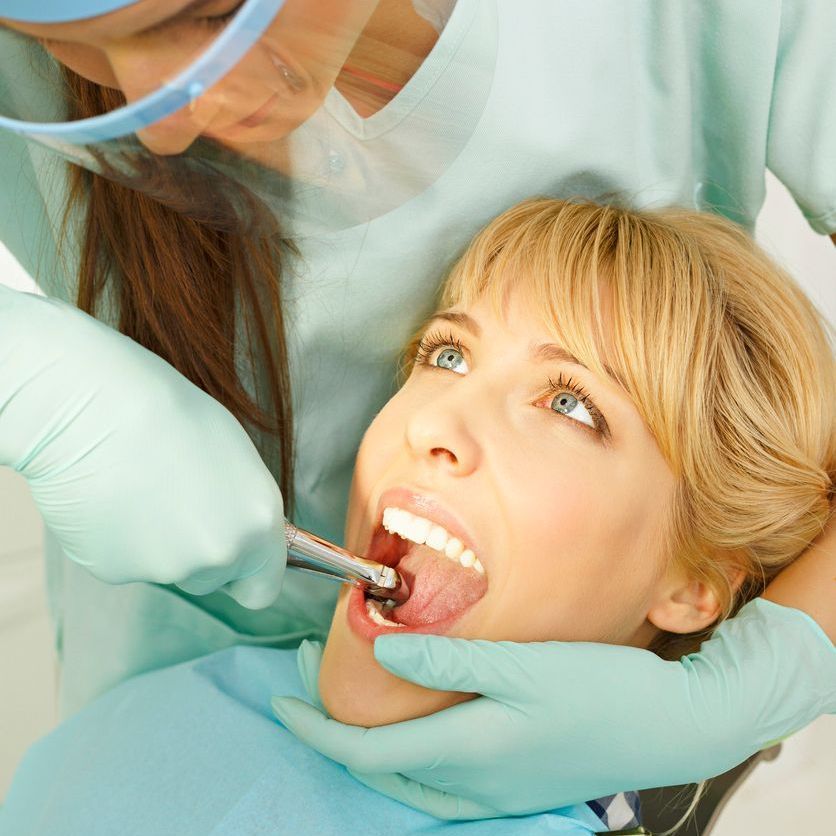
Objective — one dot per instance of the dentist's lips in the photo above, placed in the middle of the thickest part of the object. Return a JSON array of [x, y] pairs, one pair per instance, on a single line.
[[441, 589], [260, 116], [292, 81]]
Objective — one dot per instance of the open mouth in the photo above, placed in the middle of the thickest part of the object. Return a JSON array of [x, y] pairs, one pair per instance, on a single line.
[[444, 575]]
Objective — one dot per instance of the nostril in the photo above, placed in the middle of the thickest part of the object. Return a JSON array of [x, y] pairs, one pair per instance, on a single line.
[[443, 452]]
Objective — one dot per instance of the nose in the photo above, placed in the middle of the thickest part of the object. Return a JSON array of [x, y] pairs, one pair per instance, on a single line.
[[440, 435], [141, 71]]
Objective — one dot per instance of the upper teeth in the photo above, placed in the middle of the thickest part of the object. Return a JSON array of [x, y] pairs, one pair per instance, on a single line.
[[420, 530]]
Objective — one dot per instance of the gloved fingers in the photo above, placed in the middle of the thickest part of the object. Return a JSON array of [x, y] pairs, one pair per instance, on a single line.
[[261, 588], [308, 661], [204, 581], [429, 800], [499, 670], [332, 739], [409, 746]]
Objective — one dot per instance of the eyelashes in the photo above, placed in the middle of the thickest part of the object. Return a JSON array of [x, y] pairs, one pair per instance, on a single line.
[[431, 342]]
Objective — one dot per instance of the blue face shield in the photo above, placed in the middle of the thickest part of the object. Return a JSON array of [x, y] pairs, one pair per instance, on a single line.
[[224, 108], [59, 11]]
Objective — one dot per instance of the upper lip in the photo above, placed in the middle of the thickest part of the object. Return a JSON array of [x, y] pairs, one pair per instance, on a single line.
[[429, 507]]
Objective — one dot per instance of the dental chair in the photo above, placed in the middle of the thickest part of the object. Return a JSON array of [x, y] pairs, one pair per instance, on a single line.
[[662, 808]]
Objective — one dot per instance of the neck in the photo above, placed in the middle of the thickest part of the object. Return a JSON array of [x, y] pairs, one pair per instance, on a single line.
[[389, 51]]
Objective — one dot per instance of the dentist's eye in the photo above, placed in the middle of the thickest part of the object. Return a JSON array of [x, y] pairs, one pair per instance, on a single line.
[[223, 18], [443, 352], [567, 398]]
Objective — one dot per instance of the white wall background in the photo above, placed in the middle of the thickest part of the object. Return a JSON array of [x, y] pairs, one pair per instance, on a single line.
[[792, 795]]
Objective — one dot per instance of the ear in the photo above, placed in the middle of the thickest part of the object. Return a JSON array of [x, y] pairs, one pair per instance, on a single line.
[[685, 605], [685, 608]]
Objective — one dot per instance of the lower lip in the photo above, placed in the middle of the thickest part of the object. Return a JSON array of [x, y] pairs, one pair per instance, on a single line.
[[363, 626]]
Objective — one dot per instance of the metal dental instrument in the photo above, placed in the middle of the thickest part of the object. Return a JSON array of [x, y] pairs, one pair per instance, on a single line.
[[310, 553]]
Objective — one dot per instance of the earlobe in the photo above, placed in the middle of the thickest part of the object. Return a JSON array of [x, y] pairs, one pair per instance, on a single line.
[[686, 607]]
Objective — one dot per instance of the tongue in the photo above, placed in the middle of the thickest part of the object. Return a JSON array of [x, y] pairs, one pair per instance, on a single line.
[[440, 588]]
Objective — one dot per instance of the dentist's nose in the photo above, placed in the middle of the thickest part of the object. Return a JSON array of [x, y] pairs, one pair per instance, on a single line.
[[439, 434], [138, 74]]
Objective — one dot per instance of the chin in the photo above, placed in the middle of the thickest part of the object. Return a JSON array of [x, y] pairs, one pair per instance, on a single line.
[[355, 689]]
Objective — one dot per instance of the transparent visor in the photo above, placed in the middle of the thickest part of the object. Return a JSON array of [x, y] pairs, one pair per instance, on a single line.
[[225, 110]]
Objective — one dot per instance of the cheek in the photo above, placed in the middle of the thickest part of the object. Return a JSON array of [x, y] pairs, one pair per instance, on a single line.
[[583, 547], [559, 524], [382, 443], [88, 62], [553, 494], [380, 448], [140, 70]]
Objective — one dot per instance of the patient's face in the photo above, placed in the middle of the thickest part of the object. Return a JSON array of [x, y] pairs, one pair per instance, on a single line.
[[521, 497]]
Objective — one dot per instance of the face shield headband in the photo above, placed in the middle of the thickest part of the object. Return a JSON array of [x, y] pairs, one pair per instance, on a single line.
[[59, 11]]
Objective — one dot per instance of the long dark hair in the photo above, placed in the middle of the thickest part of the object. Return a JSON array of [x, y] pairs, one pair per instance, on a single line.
[[180, 275]]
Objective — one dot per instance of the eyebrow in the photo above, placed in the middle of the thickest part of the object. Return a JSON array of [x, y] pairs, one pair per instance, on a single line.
[[554, 352], [460, 319]]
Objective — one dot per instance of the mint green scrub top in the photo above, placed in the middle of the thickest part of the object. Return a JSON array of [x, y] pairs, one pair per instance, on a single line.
[[653, 103]]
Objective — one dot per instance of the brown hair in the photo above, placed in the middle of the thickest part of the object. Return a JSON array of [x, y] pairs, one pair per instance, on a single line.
[[178, 275], [726, 359]]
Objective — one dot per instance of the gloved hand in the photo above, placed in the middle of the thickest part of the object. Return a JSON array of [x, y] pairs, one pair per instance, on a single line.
[[141, 475], [560, 723]]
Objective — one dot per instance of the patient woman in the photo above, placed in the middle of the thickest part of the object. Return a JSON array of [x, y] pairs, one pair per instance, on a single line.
[[617, 428]]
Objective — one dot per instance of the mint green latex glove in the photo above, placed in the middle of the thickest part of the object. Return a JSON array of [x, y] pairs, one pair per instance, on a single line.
[[141, 475], [560, 723]]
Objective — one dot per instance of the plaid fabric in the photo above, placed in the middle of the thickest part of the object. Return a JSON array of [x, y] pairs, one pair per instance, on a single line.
[[617, 812]]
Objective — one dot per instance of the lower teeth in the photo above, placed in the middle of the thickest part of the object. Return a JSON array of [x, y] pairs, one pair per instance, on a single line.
[[377, 617]]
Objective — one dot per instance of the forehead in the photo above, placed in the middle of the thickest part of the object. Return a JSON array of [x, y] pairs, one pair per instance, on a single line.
[[514, 311], [580, 322]]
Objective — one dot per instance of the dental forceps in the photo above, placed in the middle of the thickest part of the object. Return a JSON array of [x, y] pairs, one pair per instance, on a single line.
[[312, 554]]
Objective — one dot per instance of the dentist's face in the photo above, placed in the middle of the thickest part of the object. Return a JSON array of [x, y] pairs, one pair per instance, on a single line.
[[521, 497], [273, 89]]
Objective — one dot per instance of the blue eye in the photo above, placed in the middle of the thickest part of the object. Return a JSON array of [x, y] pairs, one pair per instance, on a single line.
[[451, 358], [442, 351], [567, 404]]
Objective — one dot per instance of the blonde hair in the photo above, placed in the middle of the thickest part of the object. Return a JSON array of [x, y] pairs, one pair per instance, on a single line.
[[724, 356]]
